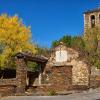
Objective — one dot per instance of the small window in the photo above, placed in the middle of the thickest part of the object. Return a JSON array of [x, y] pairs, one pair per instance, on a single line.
[[92, 21]]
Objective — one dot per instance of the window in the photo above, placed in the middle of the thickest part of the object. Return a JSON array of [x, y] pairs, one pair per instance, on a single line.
[[92, 21]]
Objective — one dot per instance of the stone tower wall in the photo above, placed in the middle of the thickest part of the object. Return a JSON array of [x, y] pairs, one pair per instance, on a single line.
[[87, 20]]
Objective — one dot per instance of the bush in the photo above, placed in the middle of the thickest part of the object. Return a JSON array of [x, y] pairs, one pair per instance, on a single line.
[[51, 93]]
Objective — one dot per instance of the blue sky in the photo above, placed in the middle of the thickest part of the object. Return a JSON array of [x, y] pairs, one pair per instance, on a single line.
[[49, 19]]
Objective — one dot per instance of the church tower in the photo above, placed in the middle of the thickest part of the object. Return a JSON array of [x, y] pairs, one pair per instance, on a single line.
[[91, 18]]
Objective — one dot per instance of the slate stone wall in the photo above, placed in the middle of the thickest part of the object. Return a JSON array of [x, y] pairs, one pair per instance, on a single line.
[[80, 69], [7, 90], [8, 81], [59, 78], [7, 87], [15, 85]]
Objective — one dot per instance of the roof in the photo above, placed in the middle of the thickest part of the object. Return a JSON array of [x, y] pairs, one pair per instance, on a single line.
[[31, 57], [92, 10]]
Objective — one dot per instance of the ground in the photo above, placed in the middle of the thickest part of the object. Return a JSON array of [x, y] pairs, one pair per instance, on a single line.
[[90, 95]]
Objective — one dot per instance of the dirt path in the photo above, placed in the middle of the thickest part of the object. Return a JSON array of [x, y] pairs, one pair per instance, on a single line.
[[77, 96]]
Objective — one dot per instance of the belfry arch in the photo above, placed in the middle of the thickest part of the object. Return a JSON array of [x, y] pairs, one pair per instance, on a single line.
[[92, 21]]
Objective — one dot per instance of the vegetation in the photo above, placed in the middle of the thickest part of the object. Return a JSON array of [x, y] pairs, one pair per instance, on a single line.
[[75, 42], [43, 51], [88, 45], [32, 66], [51, 92], [92, 46], [14, 37]]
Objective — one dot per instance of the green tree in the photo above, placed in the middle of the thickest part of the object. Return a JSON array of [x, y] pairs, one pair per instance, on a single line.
[[67, 40], [55, 43], [75, 42]]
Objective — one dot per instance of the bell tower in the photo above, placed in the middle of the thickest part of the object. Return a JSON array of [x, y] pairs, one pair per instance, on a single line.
[[91, 18]]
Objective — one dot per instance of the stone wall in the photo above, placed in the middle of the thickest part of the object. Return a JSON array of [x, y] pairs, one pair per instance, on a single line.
[[59, 78], [8, 87], [95, 77], [7, 90], [8, 81], [15, 85], [94, 81], [87, 20], [80, 70], [80, 74]]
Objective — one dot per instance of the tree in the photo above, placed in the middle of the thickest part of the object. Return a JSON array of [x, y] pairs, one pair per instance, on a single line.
[[43, 51], [65, 39], [78, 43], [55, 43], [14, 37], [75, 42]]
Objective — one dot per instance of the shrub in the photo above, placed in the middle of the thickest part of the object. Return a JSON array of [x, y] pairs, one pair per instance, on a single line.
[[51, 93]]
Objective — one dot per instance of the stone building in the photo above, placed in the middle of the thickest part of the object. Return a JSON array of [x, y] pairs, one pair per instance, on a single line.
[[64, 70], [18, 84], [91, 18]]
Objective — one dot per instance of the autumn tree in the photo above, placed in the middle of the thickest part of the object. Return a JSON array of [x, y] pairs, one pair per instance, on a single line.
[[14, 37]]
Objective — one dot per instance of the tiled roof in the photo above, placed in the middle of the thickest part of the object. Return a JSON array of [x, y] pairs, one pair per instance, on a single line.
[[93, 10]]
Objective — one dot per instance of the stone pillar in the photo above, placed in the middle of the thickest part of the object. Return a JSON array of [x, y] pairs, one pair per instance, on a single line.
[[41, 69], [21, 75], [40, 74]]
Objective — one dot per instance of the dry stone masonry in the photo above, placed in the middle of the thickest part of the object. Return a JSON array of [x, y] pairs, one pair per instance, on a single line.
[[91, 18], [68, 72]]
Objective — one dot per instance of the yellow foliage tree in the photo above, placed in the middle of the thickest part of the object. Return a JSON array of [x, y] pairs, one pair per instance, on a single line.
[[14, 37]]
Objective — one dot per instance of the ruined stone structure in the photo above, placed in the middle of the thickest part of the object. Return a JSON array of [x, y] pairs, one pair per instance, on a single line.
[[18, 85], [91, 18], [64, 70]]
